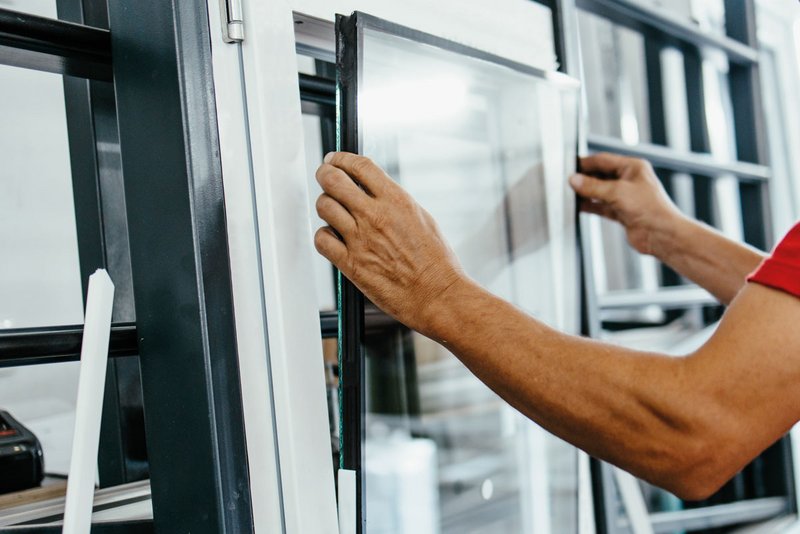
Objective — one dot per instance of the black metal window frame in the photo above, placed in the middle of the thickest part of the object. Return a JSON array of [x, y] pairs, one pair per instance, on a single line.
[[161, 232], [78, 46]]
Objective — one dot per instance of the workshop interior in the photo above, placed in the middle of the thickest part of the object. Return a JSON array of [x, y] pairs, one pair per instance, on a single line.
[[248, 385]]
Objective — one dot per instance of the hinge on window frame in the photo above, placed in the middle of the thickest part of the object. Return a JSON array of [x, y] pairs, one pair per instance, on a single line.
[[232, 21]]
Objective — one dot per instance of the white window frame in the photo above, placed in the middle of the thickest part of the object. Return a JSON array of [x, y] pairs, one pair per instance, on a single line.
[[270, 236]]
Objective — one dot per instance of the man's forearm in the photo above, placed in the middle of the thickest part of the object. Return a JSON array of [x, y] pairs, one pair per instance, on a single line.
[[627, 407], [705, 256]]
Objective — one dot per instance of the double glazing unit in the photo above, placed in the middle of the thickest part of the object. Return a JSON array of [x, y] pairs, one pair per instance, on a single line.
[[483, 144]]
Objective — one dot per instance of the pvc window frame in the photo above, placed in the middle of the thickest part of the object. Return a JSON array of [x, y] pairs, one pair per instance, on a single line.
[[278, 323]]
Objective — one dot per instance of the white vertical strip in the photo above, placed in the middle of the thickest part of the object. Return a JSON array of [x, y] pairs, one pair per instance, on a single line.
[[586, 524], [347, 501], [552, 131], [633, 500], [286, 248], [246, 282], [721, 137], [89, 409], [794, 435], [535, 481]]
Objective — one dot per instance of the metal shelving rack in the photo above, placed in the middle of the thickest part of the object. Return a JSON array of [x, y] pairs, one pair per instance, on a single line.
[[154, 217], [776, 493]]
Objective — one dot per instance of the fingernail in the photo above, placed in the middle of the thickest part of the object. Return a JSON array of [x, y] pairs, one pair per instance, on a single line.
[[328, 157], [576, 180]]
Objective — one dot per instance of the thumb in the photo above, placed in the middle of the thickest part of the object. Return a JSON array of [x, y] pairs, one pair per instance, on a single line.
[[593, 188]]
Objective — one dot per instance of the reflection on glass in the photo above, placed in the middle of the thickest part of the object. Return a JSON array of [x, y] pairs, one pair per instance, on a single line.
[[486, 150], [39, 275]]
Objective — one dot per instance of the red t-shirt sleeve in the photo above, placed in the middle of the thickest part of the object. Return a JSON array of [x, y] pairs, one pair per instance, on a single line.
[[782, 269]]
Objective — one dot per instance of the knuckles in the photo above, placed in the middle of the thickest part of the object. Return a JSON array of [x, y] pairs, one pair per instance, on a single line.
[[327, 175], [377, 220], [323, 202], [319, 240], [362, 165], [641, 168]]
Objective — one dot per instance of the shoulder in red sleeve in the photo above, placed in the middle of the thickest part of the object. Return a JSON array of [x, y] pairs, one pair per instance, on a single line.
[[782, 269]]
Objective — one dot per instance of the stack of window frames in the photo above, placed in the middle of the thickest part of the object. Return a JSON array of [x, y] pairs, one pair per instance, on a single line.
[[698, 102]]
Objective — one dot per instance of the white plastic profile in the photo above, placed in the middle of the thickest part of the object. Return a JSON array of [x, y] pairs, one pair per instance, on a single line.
[[89, 408]]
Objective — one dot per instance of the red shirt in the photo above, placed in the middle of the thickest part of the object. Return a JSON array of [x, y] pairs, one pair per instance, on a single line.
[[782, 269]]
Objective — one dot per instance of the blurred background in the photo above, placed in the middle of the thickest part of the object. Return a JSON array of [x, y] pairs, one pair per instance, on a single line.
[[704, 89]]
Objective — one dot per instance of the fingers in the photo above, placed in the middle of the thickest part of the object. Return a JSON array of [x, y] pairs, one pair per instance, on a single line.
[[335, 215], [594, 188], [362, 170], [330, 246], [603, 163], [340, 187]]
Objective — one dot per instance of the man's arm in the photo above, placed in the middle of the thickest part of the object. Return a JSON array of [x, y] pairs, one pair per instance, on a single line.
[[629, 192], [687, 424]]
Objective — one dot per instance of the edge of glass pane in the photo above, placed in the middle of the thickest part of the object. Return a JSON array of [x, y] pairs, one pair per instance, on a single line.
[[362, 21], [350, 301]]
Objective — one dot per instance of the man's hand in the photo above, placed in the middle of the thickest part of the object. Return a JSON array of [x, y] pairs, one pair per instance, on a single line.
[[627, 190], [382, 240]]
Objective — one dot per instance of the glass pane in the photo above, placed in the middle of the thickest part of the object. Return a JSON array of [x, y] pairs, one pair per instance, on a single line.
[[486, 149], [39, 275], [323, 270], [319, 138], [39, 272]]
